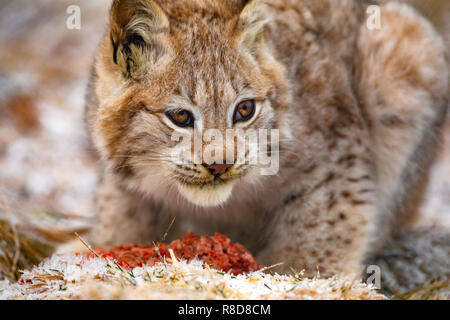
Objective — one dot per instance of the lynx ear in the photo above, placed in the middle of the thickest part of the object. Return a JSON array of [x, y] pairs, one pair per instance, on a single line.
[[250, 27], [138, 34]]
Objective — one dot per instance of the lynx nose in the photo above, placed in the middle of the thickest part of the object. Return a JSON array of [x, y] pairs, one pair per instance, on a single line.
[[217, 169]]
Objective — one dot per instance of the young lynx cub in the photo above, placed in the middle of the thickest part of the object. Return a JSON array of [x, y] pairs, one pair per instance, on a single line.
[[357, 109]]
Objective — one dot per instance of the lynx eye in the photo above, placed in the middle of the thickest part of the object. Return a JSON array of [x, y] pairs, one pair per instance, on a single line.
[[181, 118], [244, 111]]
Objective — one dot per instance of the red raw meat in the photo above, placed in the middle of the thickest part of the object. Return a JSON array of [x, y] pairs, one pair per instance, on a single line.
[[217, 251]]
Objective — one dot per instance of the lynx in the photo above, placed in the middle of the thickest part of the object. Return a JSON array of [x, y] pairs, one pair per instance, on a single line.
[[358, 111]]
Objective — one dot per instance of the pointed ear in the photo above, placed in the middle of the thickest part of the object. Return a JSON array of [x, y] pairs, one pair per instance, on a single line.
[[138, 34], [250, 27]]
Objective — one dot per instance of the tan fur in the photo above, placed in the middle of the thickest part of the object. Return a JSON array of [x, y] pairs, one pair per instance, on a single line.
[[358, 113]]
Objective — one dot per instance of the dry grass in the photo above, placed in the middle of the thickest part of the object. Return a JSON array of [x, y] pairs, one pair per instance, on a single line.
[[19, 252], [27, 243], [75, 277], [433, 291], [171, 279]]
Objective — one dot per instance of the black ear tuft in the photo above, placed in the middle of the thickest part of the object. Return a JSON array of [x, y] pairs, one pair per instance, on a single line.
[[114, 45], [137, 30], [244, 3]]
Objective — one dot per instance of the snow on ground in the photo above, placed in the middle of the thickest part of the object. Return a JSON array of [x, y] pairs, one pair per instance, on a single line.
[[76, 277]]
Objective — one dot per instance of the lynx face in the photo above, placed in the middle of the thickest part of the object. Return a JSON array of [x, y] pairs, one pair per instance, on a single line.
[[180, 70]]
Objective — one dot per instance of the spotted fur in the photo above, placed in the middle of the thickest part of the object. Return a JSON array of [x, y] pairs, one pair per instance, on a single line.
[[358, 110]]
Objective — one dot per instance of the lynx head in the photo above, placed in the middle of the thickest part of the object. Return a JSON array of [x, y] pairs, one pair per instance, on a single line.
[[178, 68]]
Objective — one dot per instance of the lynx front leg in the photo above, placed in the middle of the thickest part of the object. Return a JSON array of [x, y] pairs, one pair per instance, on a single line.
[[314, 240], [313, 237], [326, 223]]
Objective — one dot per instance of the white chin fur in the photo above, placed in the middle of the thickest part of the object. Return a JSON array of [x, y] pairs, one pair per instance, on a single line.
[[207, 196]]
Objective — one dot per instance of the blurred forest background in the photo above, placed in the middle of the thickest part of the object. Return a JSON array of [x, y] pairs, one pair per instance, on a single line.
[[47, 176]]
